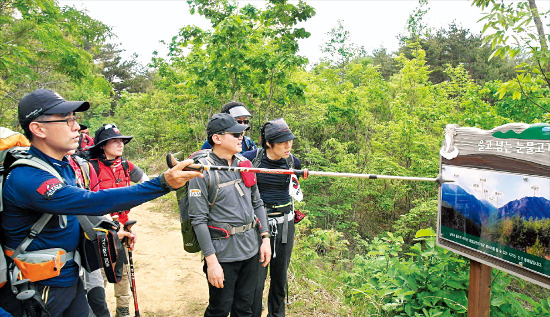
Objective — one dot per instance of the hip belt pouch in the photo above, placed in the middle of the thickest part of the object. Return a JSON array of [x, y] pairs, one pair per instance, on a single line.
[[218, 231], [40, 265]]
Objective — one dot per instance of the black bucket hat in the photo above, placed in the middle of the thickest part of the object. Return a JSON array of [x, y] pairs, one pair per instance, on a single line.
[[106, 133]]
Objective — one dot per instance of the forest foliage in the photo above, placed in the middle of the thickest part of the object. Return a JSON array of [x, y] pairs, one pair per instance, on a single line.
[[379, 113]]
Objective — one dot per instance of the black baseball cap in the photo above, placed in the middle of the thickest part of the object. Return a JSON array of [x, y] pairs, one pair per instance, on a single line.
[[277, 131], [223, 122], [45, 101]]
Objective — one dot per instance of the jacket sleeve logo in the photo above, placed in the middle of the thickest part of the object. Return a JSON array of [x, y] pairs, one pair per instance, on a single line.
[[194, 193], [50, 187]]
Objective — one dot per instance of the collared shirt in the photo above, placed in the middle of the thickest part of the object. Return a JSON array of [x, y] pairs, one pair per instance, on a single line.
[[29, 192]]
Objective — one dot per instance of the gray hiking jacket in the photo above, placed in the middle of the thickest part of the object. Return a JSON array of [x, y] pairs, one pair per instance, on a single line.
[[235, 204]]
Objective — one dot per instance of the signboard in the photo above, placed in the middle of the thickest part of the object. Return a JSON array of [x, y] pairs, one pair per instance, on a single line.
[[496, 210]]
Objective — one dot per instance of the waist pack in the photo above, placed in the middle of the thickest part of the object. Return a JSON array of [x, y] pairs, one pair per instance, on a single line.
[[40, 265], [101, 247]]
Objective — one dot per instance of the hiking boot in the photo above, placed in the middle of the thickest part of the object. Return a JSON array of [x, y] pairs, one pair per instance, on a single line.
[[122, 312]]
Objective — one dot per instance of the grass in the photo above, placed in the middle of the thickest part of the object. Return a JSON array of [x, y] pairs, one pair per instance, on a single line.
[[313, 290]]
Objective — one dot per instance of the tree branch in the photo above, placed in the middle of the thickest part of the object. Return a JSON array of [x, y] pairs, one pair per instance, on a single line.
[[529, 98]]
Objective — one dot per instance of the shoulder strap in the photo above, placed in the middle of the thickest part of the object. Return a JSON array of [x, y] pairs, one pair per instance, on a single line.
[[213, 180], [257, 160], [35, 230], [240, 157], [39, 225], [84, 169], [95, 164], [37, 163], [125, 165], [290, 161], [126, 170]]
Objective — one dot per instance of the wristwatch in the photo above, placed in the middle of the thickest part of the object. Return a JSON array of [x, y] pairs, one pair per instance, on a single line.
[[265, 235]]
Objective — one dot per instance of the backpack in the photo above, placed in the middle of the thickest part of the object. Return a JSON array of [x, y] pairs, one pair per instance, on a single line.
[[190, 241], [15, 141], [31, 304]]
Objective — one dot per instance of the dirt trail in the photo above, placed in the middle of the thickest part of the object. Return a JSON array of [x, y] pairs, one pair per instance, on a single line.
[[169, 281]]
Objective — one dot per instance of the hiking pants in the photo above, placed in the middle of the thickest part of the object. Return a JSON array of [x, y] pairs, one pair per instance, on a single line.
[[65, 301], [122, 288], [278, 268], [237, 293], [95, 292]]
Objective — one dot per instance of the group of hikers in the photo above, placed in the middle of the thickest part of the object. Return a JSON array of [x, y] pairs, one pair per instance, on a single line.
[[244, 222]]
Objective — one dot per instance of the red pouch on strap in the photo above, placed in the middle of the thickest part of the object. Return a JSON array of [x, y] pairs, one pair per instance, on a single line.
[[249, 178]]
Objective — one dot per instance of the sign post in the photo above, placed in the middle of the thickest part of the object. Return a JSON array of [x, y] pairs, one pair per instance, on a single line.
[[479, 292]]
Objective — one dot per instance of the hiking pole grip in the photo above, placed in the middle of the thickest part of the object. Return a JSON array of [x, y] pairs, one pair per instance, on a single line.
[[172, 161], [128, 227]]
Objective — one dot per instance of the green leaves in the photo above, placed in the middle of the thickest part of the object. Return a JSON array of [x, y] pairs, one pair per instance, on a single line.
[[514, 29], [426, 281]]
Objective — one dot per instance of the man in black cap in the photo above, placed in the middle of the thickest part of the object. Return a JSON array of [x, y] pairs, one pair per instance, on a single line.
[[226, 223], [50, 123], [85, 142]]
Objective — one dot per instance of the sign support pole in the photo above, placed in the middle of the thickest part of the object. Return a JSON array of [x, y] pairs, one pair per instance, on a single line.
[[479, 294]]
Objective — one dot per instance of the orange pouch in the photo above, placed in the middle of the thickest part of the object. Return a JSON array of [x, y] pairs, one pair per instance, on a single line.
[[249, 178], [40, 265]]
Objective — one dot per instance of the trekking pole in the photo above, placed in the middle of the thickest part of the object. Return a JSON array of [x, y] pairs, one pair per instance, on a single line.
[[132, 279], [304, 173]]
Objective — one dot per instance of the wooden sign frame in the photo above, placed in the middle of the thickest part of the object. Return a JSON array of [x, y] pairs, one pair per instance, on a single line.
[[501, 187]]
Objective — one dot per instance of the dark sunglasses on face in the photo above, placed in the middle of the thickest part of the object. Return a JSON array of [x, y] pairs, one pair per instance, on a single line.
[[243, 121], [236, 135]]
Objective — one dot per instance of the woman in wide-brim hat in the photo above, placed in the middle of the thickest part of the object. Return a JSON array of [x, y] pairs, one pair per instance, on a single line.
[[114, 171]]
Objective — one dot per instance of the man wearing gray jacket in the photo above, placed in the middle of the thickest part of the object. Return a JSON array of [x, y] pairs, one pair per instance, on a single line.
[[228, 230]]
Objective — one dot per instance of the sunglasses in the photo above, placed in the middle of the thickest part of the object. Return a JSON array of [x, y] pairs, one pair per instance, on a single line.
[[236, 135], [243, 121]]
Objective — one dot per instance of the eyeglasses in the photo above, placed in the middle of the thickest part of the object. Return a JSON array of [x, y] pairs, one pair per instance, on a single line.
[[243, 121], [236, 135], [70, 121]]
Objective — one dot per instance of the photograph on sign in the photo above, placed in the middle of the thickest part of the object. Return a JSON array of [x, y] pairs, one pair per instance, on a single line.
[[504, 215]]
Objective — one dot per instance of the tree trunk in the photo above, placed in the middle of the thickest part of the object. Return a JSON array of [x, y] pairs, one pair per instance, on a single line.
[[538, 24]]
